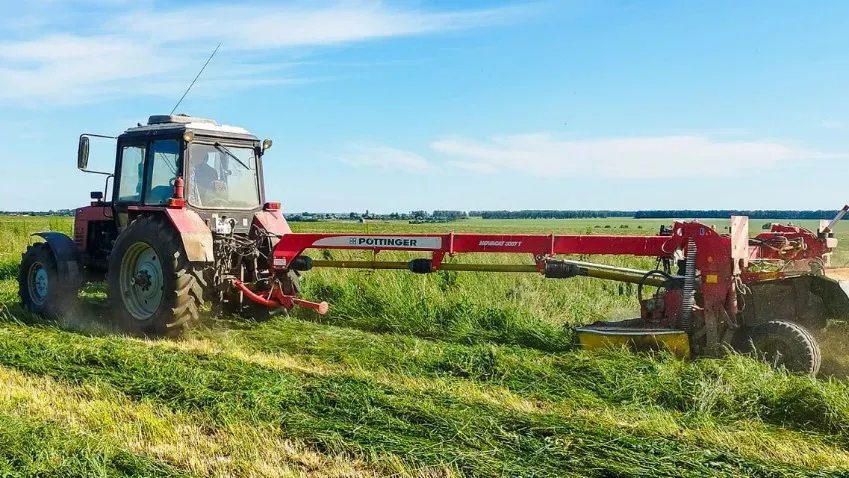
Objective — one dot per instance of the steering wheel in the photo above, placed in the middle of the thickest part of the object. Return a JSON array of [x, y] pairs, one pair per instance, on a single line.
[[215, 202]]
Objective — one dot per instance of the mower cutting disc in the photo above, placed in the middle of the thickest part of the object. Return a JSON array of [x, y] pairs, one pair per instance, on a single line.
[[618, 334]]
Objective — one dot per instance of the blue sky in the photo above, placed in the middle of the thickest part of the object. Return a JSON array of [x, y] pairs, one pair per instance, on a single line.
[[395, 106]]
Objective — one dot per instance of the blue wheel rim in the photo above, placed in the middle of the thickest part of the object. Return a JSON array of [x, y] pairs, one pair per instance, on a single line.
[[38, 284]]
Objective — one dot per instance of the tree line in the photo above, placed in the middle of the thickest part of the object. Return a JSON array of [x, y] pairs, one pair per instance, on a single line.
[[724, 213], [550, 214], [59, 212], [656, 214]]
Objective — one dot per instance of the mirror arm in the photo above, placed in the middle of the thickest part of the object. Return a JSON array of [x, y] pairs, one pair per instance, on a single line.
[[86, 170], [96, 172], [106, 186]]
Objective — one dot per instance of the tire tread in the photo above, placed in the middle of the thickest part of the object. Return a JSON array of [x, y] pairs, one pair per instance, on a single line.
[[60, 296], [800, 337]]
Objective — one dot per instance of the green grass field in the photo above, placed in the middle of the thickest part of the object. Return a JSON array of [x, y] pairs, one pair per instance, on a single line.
[[449, 374]]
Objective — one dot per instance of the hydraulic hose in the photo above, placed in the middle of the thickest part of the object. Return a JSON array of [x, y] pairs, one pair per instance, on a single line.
[[645, 277]]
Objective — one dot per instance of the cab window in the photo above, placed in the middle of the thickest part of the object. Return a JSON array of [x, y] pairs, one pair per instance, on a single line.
[[164, 157], [132, 173]]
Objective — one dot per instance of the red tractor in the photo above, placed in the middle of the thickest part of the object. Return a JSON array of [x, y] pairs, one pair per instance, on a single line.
[[187, 214], [188, 223]]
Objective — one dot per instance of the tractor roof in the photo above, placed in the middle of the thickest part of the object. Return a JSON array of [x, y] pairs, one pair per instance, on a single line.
[[183, 122]]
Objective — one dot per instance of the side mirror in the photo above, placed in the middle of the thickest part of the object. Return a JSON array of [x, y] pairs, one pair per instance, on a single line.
[[82, 153], [266, 144]]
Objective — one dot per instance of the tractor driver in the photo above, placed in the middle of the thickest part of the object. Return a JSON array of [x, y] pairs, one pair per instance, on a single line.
[[203, 176]]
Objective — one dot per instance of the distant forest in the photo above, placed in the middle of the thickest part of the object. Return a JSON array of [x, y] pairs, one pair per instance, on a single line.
[[755, 214], [656, 214], [551, 214]]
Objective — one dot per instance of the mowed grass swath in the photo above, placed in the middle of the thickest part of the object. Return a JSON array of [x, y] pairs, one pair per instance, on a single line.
[[444, 374]]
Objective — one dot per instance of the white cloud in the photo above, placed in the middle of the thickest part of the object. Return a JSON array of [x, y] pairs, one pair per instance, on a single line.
[[831, 124], [145, 47], [546, 155], [384, 157], [261, 26], [483, 168]]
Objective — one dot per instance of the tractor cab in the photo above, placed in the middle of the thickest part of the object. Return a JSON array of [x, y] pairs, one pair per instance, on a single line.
[[183, 161], [180, 217]]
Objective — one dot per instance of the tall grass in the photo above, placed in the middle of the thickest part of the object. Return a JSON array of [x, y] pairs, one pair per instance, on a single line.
[[15, 235]]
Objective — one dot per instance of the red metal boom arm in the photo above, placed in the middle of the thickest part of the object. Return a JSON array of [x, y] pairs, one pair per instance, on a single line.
[[292, 245]]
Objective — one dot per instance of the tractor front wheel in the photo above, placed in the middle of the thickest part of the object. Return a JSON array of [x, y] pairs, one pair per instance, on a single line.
[[153, 290], [787, 344], [40, 288]]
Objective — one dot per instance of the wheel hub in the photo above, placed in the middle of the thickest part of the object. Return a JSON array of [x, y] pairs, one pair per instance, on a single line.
[[142, 281]]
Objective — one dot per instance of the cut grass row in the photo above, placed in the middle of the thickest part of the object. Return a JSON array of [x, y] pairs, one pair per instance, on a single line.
[[427, 425], [32, 448], [173, 440], [188, 368], [725, 390]]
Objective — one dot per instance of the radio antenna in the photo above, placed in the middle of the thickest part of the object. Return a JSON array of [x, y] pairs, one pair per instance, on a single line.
[[196, 79]]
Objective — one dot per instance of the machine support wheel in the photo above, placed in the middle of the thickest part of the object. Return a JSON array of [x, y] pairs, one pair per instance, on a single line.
[[153, 289], [786, 344], [41, 289]]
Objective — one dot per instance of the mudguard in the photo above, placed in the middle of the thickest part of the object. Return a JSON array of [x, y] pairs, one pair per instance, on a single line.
[[196, 236], [66, 255], [835, 295], [273, 222]]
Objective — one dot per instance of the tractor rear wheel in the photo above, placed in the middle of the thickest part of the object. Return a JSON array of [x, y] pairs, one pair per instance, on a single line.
[[787, 344], [40, 288], [153, 290]]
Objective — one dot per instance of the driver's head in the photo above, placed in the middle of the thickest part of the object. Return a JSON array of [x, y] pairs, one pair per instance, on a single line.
[[199, 156]]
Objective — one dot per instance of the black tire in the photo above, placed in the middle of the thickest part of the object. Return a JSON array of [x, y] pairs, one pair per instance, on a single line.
[[40, 288], [786, 344], [181, 297]]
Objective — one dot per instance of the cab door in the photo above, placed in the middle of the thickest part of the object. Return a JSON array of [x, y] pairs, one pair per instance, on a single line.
[[129, 183], [165, 164], [146, 174]]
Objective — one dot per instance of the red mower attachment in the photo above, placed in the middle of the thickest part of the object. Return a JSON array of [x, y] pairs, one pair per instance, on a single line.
[[276, 298], [710, 288]]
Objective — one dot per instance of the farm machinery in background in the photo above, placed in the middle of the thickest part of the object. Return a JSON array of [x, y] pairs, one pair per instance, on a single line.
[[188, 223]]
